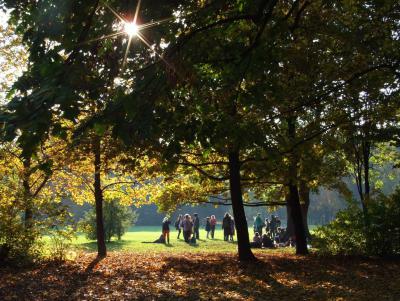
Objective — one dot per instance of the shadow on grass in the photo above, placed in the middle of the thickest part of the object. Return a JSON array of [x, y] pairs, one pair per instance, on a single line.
[[111, 246]]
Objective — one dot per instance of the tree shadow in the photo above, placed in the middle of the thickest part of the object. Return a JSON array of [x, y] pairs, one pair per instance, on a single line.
[[92, 264], [250, 273], [200, 276], [111, 246]]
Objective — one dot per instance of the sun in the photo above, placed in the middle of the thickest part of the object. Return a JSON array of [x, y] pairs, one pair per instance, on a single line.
[[131, 29]]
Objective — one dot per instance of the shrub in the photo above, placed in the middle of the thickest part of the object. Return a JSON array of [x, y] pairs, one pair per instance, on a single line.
[[20, 244], [60, 231], [352, 232], [117, 218]]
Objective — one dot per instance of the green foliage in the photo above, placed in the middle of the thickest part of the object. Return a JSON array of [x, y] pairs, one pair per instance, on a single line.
[[61, 232], [20, 242], [117, 218], [60, 242], [344, 235], [352, 232], [18, 245]]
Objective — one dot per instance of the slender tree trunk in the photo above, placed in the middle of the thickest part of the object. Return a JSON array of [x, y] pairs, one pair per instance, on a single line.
[[293, 196], [366, 147], [358, 172], [245, 253], [98, 195], [28, 217]]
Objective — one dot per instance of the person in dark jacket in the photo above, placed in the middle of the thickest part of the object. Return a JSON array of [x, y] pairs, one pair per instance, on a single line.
[[267, 242], [232, 223], [178, 224], [165, 229], [258, 224], [208, 226], [196, 226], [226, 226], [273, 225]]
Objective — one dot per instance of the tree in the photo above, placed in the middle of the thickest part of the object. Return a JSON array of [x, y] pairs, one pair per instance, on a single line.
[[13, 60], [237, 80], [117, 218], [29, 203]]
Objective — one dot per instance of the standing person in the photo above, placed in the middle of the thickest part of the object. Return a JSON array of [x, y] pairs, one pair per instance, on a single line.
[[187, 227], [178, 225], [232, 224], [273, 226], [258, 224], [208, 225], [226, 226], [267, 229], [165, 229], [213, 223], [278, 221], [196, 226]]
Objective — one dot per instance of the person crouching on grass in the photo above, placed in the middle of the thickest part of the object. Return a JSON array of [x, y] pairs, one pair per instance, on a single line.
[[165, 229]]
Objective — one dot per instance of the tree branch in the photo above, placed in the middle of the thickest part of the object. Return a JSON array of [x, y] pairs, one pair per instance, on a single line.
[[117, 183]]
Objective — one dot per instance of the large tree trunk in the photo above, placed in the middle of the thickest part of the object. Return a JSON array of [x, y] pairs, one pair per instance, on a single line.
[[98, 195], [293, 199], [297, 217], [245, 253], [289, 222], [304, 193]]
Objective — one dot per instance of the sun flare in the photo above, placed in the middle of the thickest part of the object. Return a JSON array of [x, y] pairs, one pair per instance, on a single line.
[[131, 29]]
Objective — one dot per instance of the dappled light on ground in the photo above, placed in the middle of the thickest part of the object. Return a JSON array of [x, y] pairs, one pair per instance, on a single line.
[[204, 276]]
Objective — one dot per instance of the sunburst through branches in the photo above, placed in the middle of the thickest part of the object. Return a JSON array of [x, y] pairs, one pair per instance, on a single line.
[[131, 29]]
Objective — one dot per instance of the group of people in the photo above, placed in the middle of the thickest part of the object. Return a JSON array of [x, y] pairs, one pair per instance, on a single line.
[[228, 225], [189, 227], [274, 235], [271, 226]]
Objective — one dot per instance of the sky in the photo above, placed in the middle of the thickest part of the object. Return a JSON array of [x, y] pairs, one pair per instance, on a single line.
[[9, 72], [3, 18]]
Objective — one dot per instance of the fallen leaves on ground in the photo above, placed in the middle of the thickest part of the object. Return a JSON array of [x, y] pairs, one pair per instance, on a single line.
[[158, 276]]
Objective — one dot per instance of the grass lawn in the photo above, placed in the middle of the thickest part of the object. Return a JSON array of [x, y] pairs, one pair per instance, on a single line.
[[133, 240]]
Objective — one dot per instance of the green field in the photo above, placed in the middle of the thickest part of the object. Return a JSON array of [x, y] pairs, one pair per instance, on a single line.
[[133, 240]]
